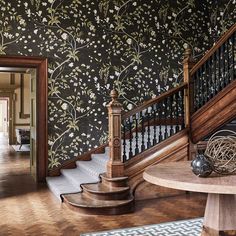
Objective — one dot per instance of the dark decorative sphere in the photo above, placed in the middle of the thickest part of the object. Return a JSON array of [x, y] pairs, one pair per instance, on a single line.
[[201, 166]]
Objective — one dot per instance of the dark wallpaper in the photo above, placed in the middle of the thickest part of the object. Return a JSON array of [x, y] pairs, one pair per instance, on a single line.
[[135, 46]]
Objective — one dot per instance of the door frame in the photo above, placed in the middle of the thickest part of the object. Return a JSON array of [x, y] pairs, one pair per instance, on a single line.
[[11, 114], [41, 66]]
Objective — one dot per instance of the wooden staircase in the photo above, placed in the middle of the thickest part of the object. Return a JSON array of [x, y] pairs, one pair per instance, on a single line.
[[218, 111], [166, 128], [110, 196]]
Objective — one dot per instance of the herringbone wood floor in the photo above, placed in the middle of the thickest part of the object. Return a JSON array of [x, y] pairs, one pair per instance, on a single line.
[[27, 209]]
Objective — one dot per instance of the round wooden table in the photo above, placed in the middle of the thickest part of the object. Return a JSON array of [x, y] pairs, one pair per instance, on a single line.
[[220, 212]]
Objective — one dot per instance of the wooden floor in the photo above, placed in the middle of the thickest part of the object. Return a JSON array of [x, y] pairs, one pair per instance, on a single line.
[[28, 209]]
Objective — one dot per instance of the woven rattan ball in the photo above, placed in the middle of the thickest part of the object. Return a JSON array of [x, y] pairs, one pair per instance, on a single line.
[[221, 151]]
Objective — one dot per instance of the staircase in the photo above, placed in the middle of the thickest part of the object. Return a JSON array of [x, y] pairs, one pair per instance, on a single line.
[[166, 128]]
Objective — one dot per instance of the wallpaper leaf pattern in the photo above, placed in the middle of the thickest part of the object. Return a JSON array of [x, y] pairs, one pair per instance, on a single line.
[[135, 46]]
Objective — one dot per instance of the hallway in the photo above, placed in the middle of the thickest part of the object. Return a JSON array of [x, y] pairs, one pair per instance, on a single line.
[[27, 209]]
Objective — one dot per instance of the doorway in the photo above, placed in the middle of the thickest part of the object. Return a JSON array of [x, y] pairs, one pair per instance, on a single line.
[[4, 116], [38, 120]]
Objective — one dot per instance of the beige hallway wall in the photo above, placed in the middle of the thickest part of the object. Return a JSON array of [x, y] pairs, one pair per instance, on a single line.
[[3, 116]]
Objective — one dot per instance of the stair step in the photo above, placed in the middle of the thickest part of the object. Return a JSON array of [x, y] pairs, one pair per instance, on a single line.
[[93, 169], [114, 182], [85, 204], [100, 159], [101, 191], [60, 185], [107, 150], [77, 177]]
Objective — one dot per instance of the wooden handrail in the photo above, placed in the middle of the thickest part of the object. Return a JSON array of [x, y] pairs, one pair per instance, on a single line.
[[217, 45], [154, 101]]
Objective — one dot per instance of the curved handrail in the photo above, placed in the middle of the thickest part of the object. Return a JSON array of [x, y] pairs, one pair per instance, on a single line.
[[154, 101], [217, 45]]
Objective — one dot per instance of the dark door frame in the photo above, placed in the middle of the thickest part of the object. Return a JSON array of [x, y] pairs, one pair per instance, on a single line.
[[41, 65]]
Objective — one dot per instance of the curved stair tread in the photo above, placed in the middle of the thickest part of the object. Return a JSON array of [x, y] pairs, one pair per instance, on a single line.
[[103, 189], [104, 176], [80, 200]]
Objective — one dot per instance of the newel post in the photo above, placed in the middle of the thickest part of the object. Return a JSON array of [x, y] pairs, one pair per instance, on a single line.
[[188, 64], [115, 166]]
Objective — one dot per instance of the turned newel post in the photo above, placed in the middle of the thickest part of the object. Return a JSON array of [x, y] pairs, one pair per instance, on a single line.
[[115, 166], [188, 64]]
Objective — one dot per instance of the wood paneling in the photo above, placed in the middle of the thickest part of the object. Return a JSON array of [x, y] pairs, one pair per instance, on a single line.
[[21, 124]]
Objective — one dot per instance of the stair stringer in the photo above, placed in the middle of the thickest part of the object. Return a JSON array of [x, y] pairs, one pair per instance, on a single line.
[[215, 113], [175, 148]]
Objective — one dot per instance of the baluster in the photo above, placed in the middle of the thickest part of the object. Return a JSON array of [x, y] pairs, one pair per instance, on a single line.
[[210, 78], [154, 125], [233, 59], [224, 67], [165, 115], [220, 70], [182, 108], [195, 89], [177, 111], [201, 90], [205, 83], [160, 121], [211, 75], [130, 137], [209, 82], [142, 131], [197, 82], [215, 73], [228, 61], [148, 128], [124, 141], [136, 134], [171, 115]]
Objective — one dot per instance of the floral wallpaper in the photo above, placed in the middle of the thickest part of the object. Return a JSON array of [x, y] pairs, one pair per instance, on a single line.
[[135, 46]]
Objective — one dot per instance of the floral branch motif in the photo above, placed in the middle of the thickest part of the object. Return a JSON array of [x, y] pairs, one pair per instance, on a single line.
[[71, 111], [7, 36]]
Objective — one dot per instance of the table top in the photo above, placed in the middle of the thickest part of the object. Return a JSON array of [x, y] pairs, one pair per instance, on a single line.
[[178, 175]]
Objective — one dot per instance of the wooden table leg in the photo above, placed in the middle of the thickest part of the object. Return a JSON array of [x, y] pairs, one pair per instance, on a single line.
[[220, 215]]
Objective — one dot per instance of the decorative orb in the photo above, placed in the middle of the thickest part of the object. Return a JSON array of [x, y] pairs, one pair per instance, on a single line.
[[221, 152], [201, 166]]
